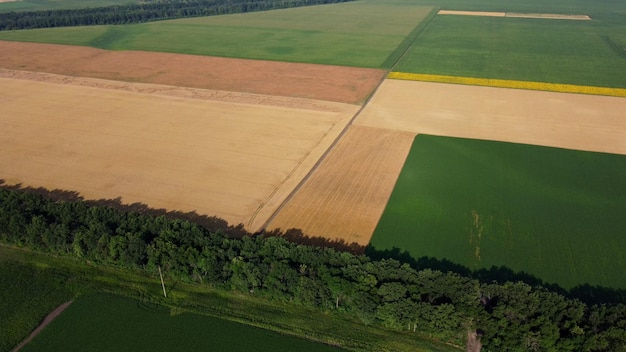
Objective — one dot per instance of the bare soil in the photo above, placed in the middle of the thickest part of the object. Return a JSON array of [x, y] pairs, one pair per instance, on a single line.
[[471, 13], [231, 160], [572, 121], [319, 82], [47, 320], [551, 16], [346, 195]]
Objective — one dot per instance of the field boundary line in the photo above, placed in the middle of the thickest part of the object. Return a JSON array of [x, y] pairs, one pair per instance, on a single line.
[[502, 83], [323, 156], [398, 53], [224, 96]]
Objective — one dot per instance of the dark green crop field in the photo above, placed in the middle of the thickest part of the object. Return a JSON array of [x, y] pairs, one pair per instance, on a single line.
[[27, 295], [542, 50], [556, 214], [114, 323], [359, 34]]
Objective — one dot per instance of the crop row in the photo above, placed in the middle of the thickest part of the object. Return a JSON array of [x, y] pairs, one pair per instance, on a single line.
[[504, 83]]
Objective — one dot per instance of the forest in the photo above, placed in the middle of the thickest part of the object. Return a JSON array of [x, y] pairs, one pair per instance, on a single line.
[[510, 316], [145, 12]]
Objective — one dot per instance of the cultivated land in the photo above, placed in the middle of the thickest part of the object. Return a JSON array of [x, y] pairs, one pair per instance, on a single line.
[[345, 196], [527, 49], [113, 323], [361, 33], [234, 161], [321, 82], [553, 213], [573, 121]]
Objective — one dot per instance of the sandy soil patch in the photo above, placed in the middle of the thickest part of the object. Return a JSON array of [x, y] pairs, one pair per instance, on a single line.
[[472, 13], [320, 82], [514, 14], [345, 196], [573, 121], [235, 161], [551, 16]]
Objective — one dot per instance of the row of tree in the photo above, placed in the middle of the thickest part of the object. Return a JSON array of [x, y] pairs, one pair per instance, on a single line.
[[506, 317], [144, 12]]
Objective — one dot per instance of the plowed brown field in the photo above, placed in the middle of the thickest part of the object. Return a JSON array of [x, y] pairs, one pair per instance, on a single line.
[[572, 121], [320, 82], [235, 161], [346, 195]]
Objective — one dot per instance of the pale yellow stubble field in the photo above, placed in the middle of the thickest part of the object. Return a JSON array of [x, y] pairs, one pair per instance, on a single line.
[[565, 120], [235, 161]]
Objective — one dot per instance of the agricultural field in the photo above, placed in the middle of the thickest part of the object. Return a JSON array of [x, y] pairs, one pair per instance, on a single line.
[[269, 78], [361, 34], [572, 121], [283, 120], [553, 213], [526, 49], [113, 323], [236, 161], [345, 196], [27, 294]]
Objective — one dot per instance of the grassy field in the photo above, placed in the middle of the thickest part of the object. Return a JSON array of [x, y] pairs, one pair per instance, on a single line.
[[554, 213], [359, 34], [27, 295], [543, 50], [36, 5], [85, 279], [114, 323]]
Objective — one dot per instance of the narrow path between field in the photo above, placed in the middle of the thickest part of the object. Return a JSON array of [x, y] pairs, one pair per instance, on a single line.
[[47, 320], [420, 27]]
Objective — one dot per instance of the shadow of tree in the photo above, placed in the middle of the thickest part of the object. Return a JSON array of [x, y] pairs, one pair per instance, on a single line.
[[297, 236], [587, 293], [500, 274], [211, 223]]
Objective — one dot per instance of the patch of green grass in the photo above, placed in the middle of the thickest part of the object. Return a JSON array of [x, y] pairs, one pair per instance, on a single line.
[[556, 214], [27, 295], [114, 323], [290, 319], [362, 33], [542, 50]]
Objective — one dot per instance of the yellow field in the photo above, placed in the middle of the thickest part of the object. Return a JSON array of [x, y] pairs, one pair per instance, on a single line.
[[231, 160], [550, 87], [346, 195]]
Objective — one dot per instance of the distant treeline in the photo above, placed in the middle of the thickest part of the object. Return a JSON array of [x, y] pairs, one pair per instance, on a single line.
[[506, 317], [137, 13]]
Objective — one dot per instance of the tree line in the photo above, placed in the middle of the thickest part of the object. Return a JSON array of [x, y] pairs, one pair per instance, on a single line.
[[144, 12], [512, 316]]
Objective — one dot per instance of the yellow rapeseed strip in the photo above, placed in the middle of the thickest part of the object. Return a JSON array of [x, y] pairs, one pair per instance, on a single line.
[[501, 83]]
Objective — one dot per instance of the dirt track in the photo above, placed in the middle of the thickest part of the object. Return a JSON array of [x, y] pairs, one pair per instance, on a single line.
[[346, 195], [47, 320], [572, 121], [319, 82]]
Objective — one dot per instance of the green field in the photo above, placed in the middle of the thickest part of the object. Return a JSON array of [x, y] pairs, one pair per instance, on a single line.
[[359, 34], [37, 5], [542, 50], [27, 295], [556, 214], [114, 323]]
